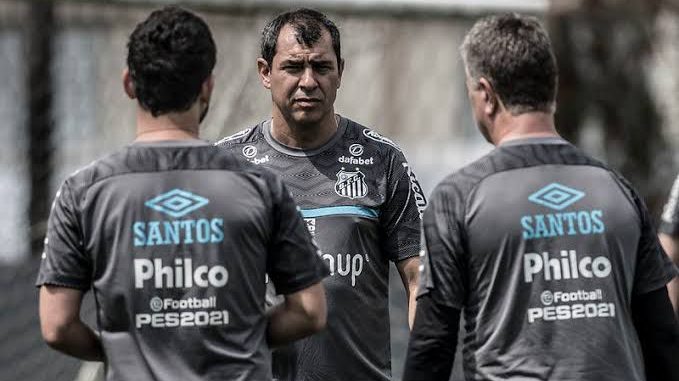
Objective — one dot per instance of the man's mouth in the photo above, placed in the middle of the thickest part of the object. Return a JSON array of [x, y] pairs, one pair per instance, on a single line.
[[307, 102]]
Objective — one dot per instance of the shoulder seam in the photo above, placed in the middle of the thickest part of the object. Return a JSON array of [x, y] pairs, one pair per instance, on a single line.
[[78, 186], [628, 191]]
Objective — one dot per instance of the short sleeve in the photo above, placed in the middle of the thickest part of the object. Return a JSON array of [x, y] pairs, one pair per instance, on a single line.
[[443, 270], [654, 268], [64, 260], [400, 216], [669, 223], [294, 262]]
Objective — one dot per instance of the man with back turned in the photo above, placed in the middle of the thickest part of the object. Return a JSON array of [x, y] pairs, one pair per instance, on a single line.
[[174, 236], [551, 256]]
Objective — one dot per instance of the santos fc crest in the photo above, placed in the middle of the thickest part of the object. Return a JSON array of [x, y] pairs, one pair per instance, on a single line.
[[351, 184]]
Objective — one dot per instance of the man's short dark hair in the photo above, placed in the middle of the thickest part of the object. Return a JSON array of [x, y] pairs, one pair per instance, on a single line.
[[307, 24], [514, 54], [170, 55]]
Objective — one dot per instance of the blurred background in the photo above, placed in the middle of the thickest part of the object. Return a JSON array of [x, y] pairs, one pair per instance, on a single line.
[[62, 106]]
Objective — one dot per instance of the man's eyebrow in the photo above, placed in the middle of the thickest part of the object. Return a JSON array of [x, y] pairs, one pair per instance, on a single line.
[[321, 60], [292, 60]]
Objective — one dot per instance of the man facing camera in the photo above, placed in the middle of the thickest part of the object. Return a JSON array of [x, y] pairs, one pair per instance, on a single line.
[[357, 193]]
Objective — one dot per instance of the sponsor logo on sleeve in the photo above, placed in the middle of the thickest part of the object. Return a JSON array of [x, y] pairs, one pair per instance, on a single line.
[[235, 136], [420, 200], [370, 134]]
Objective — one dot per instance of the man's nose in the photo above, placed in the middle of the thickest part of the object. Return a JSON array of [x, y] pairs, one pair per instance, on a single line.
[[308, 79]]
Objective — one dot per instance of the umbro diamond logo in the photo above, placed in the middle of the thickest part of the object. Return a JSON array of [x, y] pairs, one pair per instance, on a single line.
[[176, 203], [556, 196]]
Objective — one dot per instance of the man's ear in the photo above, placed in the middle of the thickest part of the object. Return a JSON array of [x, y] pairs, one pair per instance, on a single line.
[[264, 71], [128, 85], [491, 101], [207, 87], [340, 69]]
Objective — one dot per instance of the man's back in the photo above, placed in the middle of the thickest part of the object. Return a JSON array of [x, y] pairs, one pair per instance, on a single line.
[[176, 238], [547, 248]]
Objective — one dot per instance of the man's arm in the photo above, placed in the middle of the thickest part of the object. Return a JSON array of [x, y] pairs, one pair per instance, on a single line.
[[410, 275], [658, 331], [431, 349], [671, 246], [61, 326], [303, 313]]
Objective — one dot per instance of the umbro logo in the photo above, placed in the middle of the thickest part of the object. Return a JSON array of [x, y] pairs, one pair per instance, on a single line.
[[176, 203], [556, 196]]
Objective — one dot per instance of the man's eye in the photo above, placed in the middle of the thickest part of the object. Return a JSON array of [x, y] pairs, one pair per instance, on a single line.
[[292, 68], [323, 68]]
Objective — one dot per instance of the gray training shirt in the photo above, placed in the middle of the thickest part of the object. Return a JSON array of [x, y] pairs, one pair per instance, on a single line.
[[361, 201], [542, 248], [174, 239]]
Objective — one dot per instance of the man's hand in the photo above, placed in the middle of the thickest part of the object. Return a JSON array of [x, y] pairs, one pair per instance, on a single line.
[[61, 326], [303, 313]]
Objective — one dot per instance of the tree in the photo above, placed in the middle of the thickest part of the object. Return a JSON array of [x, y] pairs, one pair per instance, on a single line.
[[603, 48], [39, 32]]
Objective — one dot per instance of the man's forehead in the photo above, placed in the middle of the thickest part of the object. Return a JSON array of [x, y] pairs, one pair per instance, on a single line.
[[289, 45], [304, 54]]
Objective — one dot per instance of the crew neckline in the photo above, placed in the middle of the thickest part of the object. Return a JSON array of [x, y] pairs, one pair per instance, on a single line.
[[171, 143], [299, 152], [540, 140]]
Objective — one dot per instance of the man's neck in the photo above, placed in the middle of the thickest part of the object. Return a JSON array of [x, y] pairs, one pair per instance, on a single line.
[[293, 135], [171, 126], [527, 125]]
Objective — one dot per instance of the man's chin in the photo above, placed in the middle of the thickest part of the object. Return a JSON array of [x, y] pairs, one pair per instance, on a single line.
[[305, 118]]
